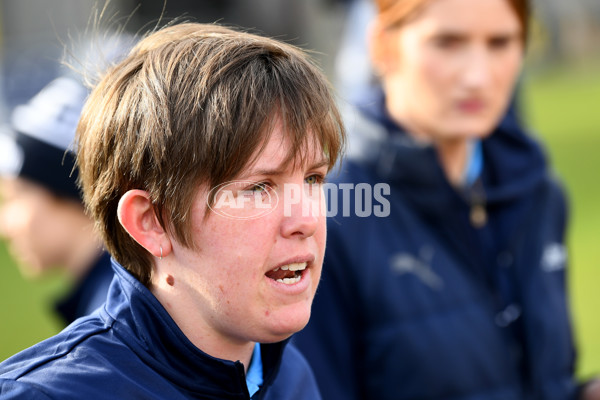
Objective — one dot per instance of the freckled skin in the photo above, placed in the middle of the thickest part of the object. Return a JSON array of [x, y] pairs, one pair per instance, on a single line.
[[223, 286]]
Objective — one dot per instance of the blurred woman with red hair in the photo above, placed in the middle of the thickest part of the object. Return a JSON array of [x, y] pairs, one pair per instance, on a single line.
[[459, 292]]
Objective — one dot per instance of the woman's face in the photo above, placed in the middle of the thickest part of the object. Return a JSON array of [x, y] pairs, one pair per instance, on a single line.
[[449, 73], [253, 237]]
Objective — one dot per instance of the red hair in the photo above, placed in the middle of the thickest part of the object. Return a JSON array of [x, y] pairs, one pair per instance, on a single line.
[[393, 13]]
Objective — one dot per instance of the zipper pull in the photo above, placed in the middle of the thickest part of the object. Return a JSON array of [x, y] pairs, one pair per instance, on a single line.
[[478, 216]]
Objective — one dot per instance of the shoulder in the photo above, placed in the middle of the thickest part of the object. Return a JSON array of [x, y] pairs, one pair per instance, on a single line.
[[551, 204], [293, 362], [295, 379], [352, 171], [362, 208], [556, 191], [61, 366], [15, 390], [355, 194]]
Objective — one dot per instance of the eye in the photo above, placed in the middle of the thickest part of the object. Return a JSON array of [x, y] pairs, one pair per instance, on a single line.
[[315, 179], [499, 43], [447, 41], [257, 188]]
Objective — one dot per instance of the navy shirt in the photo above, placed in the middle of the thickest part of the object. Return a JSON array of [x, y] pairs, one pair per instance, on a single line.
[[132, 349]]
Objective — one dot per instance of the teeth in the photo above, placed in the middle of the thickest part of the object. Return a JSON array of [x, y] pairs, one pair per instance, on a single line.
[[295, 266], [290, 281], [292, 267]]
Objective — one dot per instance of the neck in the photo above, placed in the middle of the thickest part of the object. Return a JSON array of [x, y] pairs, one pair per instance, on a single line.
[[184, 311], [453, 155]]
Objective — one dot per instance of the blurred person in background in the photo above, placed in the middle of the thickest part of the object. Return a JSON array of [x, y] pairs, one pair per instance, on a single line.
[[353, 72], [459, 292], [41, 212]]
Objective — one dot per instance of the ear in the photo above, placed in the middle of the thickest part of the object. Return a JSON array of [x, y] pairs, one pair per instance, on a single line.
[[136, 215], [383, 47]]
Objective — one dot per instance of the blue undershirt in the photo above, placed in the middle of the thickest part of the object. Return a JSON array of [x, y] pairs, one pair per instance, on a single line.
[[254, 376], [475, 164]]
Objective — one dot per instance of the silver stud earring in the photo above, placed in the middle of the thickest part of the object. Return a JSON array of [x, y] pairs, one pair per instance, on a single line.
[[161, 252]]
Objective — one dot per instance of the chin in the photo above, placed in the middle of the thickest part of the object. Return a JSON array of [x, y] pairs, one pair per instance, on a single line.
[[470, 130], [463, 126], [282, 328], [30, 270]]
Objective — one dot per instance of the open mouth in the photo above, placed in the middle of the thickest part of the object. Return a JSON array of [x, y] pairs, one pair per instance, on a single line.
[[288, 274]]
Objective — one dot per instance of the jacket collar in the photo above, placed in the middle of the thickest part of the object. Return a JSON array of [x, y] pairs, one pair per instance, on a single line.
[[514, 164], [141, 322]]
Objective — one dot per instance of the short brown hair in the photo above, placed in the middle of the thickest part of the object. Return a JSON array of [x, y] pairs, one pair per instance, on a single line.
[[394, 13], [190, 105]]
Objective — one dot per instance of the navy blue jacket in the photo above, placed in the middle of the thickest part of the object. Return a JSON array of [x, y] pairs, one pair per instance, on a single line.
[[423, 304], [132, 349], [90, 293]]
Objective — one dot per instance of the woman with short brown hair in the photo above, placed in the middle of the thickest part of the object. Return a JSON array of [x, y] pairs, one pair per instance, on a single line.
[[206, 291]]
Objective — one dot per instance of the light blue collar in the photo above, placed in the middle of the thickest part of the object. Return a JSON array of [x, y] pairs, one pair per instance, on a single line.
[[475, 164], [254, 376]]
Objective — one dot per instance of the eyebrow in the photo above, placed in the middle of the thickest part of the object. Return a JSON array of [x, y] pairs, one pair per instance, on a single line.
[[459, 33], [280, 169]]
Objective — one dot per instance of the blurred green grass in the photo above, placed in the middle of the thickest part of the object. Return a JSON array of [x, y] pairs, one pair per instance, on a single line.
[[562, 105], [26, 307]]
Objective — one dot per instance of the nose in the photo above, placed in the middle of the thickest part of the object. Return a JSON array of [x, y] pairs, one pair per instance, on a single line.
[[477, 72], [301, 213]]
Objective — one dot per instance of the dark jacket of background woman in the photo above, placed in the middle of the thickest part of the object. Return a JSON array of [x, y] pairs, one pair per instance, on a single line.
[[440, 300]]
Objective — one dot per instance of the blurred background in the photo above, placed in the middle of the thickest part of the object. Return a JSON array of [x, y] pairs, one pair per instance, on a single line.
[[559, 99]]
